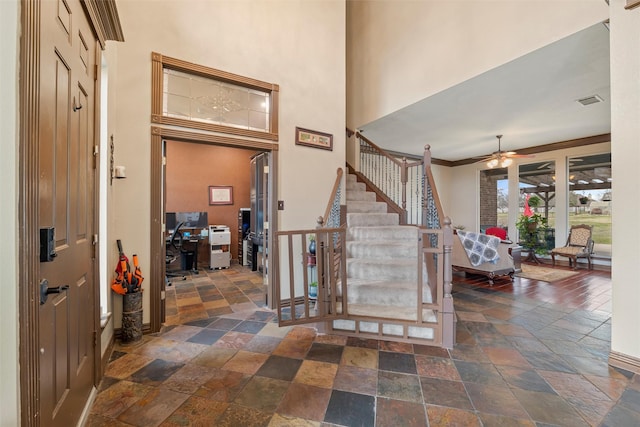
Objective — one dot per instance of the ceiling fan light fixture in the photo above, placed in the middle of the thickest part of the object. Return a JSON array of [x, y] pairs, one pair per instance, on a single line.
[[500, 158], [506, 162]]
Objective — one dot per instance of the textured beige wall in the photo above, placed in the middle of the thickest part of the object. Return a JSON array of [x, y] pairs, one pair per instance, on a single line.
[[9, 369], [625, 157], [297, 44], [400, 52]]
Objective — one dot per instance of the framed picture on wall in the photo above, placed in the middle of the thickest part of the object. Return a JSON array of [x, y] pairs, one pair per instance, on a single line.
[[220, 195], [312, 138]]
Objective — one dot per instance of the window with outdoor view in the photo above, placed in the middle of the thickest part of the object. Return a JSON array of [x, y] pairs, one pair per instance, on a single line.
[[536, 216], [590, 198], [494, 198]]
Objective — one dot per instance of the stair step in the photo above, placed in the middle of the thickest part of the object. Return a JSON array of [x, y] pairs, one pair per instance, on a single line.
[[361, 195], [397, 232], [356, 186], [371, 219], [366, 207], [383, 249], [351, 177], [382, 269], [385, 292], [382, 259]]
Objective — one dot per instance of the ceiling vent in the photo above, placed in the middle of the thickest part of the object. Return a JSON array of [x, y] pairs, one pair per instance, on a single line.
[[590, 100]]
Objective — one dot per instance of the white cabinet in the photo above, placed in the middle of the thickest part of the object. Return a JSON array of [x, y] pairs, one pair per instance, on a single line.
[[219, 244]]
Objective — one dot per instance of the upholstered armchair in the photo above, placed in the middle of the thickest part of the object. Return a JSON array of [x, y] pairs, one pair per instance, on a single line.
[[501, 265], [579, 245]]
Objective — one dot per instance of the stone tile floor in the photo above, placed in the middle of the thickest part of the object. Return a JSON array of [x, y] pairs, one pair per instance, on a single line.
[[520, 360]]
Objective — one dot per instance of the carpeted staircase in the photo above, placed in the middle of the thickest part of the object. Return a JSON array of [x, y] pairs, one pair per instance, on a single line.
[[382, 258]]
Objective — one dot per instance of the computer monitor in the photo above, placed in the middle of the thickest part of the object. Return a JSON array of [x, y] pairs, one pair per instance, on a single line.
[[193, 219], [170, 221], [189, 220]]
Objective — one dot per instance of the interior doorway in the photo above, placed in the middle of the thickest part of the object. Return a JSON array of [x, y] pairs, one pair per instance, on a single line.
[[189, 173], [223, 194]]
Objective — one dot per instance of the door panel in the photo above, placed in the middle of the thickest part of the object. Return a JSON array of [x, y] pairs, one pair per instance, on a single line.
[[61, 338], [60, 170], [66, 196]]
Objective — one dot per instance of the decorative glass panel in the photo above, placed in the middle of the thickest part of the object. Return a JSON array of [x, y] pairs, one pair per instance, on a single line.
[[180, 106], [207, 100], [176, 84]]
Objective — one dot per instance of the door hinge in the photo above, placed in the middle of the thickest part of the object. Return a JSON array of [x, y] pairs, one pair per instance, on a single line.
[[94, 240], [95, 338], [95, 72], [163, 295], [164, 161], [96, 151]]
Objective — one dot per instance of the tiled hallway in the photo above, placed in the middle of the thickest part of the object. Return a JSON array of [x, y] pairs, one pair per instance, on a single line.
[[528, 354]]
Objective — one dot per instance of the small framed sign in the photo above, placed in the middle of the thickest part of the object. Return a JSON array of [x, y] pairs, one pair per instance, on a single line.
[[312, 138]]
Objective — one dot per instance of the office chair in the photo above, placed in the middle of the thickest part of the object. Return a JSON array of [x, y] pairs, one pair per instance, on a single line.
[[172, 252]]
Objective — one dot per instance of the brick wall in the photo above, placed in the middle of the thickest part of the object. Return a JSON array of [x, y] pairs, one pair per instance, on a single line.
[[488, 200]]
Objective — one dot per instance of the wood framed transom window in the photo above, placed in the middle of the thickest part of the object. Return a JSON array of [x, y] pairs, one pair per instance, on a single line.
[[193, 96]]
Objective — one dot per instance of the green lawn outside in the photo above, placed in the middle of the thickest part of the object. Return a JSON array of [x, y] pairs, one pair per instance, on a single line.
[[601, 224]]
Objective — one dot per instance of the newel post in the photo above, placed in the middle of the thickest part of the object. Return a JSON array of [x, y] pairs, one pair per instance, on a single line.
[[448, 312]]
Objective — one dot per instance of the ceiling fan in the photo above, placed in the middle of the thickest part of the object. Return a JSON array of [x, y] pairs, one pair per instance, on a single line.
[[501, 158]]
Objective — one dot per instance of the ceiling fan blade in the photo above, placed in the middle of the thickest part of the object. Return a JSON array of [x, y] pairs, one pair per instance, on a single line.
[[483, 158]]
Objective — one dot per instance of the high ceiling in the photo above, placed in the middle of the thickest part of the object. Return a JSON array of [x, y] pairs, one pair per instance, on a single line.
[[531, 100]]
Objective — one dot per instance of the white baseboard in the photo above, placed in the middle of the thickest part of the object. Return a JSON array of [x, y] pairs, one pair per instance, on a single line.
[[623, 361], [87, 407]]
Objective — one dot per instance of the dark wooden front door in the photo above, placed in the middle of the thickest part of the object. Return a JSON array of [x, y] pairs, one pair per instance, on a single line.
[[66, 198]]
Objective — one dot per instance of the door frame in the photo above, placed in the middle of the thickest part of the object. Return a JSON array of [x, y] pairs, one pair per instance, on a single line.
[[157, 221], [28, 272], [104, 20]]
